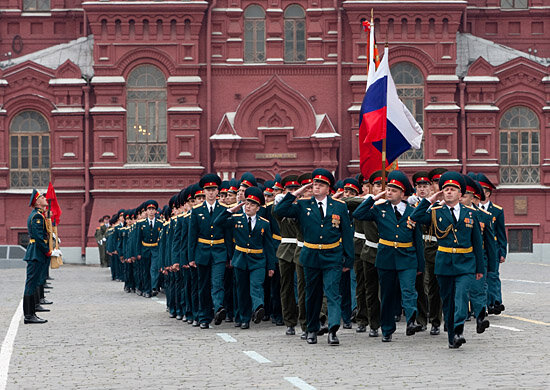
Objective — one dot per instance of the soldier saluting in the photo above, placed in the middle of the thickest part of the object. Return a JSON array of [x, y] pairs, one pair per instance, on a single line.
[[459, 255], [327, 252]]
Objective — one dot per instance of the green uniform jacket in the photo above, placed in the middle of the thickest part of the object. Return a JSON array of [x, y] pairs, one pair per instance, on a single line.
[[258, 239], [38, 249], [148, 235], [335, 226], [390, 229], [201, 225], [288, 230], [489, 239], [466, 234], [500, 228]]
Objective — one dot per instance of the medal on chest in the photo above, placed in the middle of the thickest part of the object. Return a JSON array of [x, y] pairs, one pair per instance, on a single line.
[[335, 220]]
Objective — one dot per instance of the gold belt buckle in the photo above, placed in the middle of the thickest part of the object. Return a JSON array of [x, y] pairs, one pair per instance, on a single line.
[[395, 244], [211, 242], [320, 246], [248, 251], [454, 250]]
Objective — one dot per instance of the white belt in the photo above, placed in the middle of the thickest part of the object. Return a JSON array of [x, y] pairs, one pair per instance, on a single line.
[[288, 240], [427, 237], [371, 244], [300, 243], [359, 235]]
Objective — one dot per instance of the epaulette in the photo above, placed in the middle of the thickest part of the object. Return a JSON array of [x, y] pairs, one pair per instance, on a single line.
[[497, 206], [485, 211], [436, 207], [140, 220], [223, 204], [339, 200], [180, 215], [269, 204], [380, 201], [470, 207], [264, 219], [174, 217], [237, 215], [187, 214], [111, 228], [197, 206], [166, 223], [231, 205]]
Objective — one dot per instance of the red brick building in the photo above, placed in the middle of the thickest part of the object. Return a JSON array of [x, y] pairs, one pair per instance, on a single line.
[[117, 101]]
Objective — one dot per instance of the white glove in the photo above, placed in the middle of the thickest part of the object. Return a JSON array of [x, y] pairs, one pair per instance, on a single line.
[[104, 239], [99, 242], [278, 198], [57, 253], [413, 199]]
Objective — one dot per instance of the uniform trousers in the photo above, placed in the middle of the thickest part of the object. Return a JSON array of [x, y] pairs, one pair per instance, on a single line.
[[454, 293], [389, 280], [250, 292], [210, 289], [288, 298], [319, 280]]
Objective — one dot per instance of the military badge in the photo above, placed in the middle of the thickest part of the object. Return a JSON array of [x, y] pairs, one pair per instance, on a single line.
[[262, 231], [335, 220], [410, 223]]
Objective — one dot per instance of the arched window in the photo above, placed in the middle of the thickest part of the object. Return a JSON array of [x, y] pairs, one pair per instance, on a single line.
[[254, 34], [410, 88], [519, 146], [146, 120], [29, 150], [36, 5], [295, 34]]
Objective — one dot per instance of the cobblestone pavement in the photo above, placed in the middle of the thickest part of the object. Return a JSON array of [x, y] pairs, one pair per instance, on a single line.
[[99, 337]]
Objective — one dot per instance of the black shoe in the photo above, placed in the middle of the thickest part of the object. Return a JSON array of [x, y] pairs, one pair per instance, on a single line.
[[347, 325], [44, 301], [147, 295], [40, 309], [303, 336], [238, 324], [155, 292], [323, 319], [204, 325], [332, 339], [265, 317], [458, 340], [412, 328], [386, 339], [49, 278], [323, 330], [397, 318], [279, 323], [179, 317], [245, 325], [190, 321], [481, 322], [126, 289], [196, 323], [311, 338], [434, 331], [34, 320], [139, 292], [258, 315], [373, 333], [491, 309], [228, 319], [220, 316], [499, 307], [290, 331], [361, 329], [133, 290], [172, 315]]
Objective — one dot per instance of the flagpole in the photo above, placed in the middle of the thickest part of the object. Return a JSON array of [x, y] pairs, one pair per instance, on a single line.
[[384, 155]]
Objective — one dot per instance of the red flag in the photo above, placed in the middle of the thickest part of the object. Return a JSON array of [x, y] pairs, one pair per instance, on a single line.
[[54, 206]]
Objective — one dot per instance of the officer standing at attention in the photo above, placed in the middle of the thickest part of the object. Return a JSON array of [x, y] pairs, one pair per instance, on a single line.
[[208, 251], [148, 254], [400, 256], [36, 256], [327, 251], [494, 290], [100, 238], [459, 257], [254, 252]]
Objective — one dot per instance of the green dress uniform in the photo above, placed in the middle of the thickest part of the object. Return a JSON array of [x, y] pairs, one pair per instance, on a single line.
[[109, 248], [148, 237], [399, 257], [254, 252], [99, 236], [459, 255], [494, 288], [328, 247]]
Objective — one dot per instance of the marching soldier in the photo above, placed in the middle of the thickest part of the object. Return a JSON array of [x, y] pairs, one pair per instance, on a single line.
[[400, 254], [148, 254], [327, 252], [459, 257], [254, 252], [208, 251], [36, 256], [494, 290]]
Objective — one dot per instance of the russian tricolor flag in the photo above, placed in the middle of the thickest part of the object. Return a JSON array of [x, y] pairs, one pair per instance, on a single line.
[[383, 115]]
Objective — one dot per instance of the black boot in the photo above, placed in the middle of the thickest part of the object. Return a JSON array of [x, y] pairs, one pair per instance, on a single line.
[[36, 301], [28, 310], [481, 322], [43, 300]]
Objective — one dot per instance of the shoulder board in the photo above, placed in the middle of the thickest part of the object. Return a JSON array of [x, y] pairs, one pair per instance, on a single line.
[[264, 219], [231, 205], [197, 206], [485, 211], [140, 220], [497, 206], [111, 228], [180, 215], [223, 205], [436, 207], [237, 215], [174, 217], [166, 223], [187, 214], [268, 204], [339, 200], [470, 207], [380, 201]]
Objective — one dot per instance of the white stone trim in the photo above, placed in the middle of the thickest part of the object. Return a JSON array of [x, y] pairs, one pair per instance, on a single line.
[[234, 40], [280, 10], [185, 109], [325, 135], [107, 109], [3, 82], [441, 107], [320, 9], [442, 77], [481, 79], [225, 136], [274, 60], [74, 81], [68, 110], [274, 39], [108, 80], [184, 79], [354, 108], [358, 78], [481, 107]]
